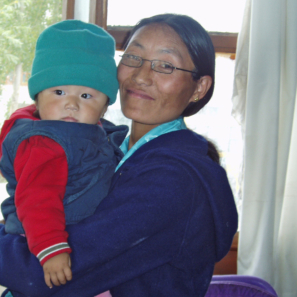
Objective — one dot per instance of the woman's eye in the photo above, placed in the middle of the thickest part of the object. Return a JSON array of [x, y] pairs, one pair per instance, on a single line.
[[132, 57], [166, 65], [59, 92], [86, 96]]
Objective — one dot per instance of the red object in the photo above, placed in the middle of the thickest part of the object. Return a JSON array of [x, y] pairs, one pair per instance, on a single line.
[[41, 171]]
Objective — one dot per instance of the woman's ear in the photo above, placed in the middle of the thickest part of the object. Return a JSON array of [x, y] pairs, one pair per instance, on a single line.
[[203, 85]]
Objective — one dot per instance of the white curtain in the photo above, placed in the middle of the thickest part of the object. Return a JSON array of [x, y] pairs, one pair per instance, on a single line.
[[264, 102]]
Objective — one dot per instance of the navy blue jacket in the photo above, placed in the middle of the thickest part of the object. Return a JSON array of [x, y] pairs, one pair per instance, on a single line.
[[169, 216]]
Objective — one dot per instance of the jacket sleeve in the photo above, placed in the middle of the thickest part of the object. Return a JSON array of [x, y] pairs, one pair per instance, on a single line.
[[41, 172], [138, 227]]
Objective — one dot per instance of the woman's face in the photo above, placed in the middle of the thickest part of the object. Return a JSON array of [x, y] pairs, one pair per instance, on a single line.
[[150, 97]]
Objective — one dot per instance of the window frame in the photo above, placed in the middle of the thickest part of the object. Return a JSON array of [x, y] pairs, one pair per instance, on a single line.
[[223, 42]]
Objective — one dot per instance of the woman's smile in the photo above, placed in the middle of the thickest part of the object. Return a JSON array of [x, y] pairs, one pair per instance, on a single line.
[[139, 94]]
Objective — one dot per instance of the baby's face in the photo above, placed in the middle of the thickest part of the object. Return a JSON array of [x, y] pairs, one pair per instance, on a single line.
[[71, 104]]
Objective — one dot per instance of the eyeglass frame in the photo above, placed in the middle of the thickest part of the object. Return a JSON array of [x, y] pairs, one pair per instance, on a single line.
[[152, 63]]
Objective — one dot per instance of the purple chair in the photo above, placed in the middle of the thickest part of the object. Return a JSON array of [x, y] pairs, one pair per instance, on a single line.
[[239, 286]]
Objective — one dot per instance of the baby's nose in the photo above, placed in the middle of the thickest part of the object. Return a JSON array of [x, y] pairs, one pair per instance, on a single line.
[[72, 103]]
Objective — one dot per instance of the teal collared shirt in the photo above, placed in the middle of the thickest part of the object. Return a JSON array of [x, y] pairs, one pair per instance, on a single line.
[[8, 294], [178, 124]]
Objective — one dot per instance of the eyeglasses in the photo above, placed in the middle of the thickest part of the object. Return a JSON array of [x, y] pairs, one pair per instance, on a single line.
[[156, 65]]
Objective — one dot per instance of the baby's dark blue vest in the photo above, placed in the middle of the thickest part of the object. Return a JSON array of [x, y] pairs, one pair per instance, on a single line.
[[92, 155]]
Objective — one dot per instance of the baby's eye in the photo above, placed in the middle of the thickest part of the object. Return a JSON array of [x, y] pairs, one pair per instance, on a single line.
[[86, 96], [59, 92]]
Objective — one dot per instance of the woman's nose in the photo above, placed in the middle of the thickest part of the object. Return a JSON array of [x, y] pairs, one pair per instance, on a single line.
[[72, 103], [143, 74]]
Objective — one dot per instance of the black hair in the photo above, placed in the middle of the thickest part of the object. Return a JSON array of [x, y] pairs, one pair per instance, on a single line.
[[199, 45], [212, 152]]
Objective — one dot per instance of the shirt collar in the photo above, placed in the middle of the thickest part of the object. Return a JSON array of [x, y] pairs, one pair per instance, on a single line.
[[175, 125]]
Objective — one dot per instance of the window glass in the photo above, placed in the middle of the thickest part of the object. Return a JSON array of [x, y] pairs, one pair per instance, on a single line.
[[213, 15]]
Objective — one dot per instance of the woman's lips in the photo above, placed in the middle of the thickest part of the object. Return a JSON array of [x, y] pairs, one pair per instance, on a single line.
[[139, 94], [69, 119]]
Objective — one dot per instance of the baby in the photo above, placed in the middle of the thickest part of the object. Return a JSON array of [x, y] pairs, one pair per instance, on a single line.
[[59, 159]]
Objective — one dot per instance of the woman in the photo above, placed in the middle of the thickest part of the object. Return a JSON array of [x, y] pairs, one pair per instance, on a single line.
[[170, 213]]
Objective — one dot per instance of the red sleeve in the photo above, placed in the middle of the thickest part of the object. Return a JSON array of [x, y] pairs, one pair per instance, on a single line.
[[41, 171]]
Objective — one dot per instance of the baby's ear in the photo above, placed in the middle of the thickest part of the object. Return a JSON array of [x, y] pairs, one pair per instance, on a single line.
[[36, 113], [103, 111], [36, 101], [105, 108]]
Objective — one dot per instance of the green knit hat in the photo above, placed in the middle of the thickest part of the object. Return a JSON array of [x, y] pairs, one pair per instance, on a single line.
[[74, 53]]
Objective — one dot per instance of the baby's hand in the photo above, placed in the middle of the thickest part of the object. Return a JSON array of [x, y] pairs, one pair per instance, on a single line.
[[57, 270]]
